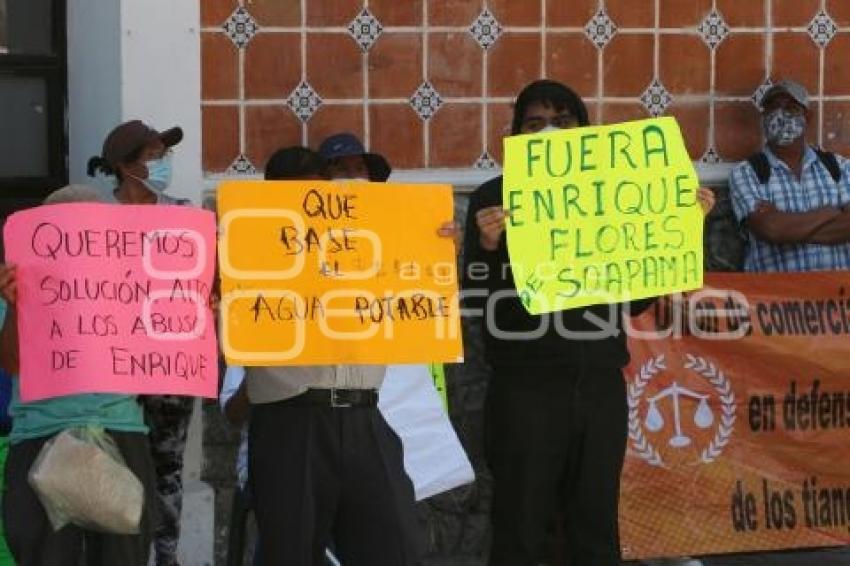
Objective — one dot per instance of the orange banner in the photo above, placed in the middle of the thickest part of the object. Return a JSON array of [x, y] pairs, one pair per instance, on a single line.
[[739, 418]]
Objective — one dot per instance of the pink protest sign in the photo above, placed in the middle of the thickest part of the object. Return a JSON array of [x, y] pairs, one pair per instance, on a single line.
[[114, 299]]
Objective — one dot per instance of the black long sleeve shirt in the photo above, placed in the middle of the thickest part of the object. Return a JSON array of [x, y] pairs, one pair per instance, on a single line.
[[552, 345]]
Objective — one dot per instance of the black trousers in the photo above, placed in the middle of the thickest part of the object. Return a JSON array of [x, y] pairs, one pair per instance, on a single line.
[[167, 417], [555, 441], [240, 509], [33, 541], [320, 474]]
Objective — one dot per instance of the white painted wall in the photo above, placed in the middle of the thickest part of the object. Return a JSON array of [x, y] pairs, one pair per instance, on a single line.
[[135, 59], [94, 80], [141, 59], [161, 78]]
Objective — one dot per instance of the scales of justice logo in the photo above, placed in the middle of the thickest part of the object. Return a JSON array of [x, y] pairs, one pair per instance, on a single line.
[[682, 413]]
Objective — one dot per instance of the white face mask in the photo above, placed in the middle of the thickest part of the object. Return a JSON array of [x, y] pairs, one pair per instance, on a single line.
[[548, 128]]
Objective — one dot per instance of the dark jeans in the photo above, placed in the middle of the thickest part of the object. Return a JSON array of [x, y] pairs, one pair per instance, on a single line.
[[319, 475], [31, 537], [555, 441]]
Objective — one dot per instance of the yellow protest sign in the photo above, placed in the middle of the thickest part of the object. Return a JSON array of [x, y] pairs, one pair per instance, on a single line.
[[602, 214], [315, 272]]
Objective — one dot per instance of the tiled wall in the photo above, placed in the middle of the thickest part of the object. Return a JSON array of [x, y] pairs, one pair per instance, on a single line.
[[429, 82]]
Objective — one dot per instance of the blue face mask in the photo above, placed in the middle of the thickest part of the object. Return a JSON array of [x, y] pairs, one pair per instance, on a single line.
[[159, 174]]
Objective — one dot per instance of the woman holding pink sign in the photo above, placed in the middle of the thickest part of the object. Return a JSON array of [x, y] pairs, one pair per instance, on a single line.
[[30, 530]]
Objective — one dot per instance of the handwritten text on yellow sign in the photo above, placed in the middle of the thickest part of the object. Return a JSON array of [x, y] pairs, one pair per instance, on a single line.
[[315, 272], [602, 214]]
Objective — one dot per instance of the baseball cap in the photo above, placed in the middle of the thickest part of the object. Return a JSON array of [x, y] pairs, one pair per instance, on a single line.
[[346, 145], [788, 87], [130, 136]]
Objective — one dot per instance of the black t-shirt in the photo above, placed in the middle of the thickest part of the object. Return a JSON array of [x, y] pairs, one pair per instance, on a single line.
[[550, 338]]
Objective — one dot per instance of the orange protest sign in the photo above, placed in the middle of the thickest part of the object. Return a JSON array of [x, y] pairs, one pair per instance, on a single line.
[[739, 418], [316, 272]]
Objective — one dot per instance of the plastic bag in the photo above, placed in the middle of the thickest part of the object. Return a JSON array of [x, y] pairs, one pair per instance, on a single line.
[[81, 478]]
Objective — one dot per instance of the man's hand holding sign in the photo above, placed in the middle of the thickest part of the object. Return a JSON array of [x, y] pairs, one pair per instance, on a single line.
[[600, 214]]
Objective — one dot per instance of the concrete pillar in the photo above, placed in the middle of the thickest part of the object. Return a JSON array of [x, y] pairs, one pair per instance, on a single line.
[[141, 59]]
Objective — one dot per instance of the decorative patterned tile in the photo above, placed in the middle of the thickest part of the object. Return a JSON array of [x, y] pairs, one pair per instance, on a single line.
[[713, 29], [426, 101], [469, 41], [396, 64], [241, 27], [822, 29], [740, 64], [486, 29], [304, 101], [455, 136], [241, 166], [600, 29], [513, 63], [656, 99], [737, 130], [220, 136], [759, 93], [710, 157], [486, 162], [365, 29]]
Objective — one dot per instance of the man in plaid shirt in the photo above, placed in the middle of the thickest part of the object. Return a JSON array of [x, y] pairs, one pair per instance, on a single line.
[[793, 202], [792, 199]]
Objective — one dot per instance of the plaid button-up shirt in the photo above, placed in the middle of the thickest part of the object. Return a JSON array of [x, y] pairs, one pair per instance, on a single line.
[[815, 189]]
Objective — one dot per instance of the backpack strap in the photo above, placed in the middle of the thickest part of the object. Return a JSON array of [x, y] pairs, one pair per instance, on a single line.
[[761, 166], [830, 162]]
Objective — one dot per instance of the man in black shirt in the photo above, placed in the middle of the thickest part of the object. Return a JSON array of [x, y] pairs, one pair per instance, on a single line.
[[556, 413]]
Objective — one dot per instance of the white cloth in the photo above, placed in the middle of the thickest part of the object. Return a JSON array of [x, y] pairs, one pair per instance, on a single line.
[[433, 456]]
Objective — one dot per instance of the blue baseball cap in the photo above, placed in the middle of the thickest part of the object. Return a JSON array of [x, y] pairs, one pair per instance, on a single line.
[[347, 145]]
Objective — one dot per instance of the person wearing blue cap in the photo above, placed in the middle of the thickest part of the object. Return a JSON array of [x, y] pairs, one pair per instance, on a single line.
[[324, 466], [348, 159]]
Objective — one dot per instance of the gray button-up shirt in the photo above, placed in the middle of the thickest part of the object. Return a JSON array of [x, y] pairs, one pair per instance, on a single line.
[[271, 384]]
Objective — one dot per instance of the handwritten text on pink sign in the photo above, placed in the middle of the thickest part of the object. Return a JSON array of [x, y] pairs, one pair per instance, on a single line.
[[114, 299]]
